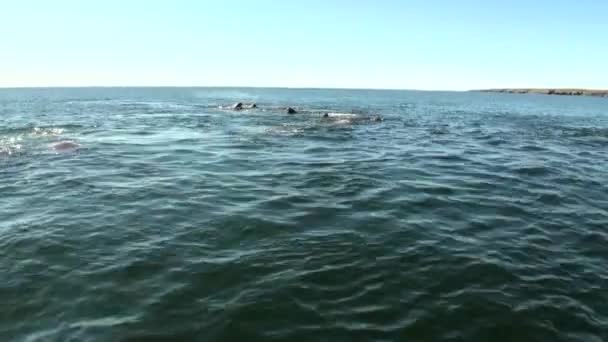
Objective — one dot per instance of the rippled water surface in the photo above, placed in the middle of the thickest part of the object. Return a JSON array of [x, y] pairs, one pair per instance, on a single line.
[[460, 217]]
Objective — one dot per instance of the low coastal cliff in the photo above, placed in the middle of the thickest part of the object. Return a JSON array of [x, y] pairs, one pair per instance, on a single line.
[[549, 91]]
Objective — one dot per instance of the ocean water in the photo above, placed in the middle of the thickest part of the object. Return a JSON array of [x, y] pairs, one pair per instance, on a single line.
[[460, 217]]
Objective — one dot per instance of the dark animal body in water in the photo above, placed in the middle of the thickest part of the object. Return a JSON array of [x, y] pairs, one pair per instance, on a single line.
[[65, 146], [241, 106], [336, 117]]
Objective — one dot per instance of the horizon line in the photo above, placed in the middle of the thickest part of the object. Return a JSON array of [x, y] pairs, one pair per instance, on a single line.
[[294, 88], [221, 86]]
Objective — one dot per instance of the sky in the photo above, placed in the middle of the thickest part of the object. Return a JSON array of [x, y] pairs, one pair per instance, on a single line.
[[390, 44]]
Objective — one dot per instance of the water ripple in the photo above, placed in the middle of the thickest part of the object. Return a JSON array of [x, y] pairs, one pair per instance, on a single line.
[[455, 218]]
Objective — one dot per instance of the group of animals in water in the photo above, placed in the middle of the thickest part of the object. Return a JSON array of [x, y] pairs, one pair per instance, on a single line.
[[66, 146], [335, 116]]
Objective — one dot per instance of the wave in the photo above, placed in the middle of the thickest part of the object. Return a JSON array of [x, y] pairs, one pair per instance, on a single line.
[[455, 219], [36, 130]]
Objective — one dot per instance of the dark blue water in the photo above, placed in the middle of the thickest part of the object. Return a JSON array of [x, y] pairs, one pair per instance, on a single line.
[[460, 217]]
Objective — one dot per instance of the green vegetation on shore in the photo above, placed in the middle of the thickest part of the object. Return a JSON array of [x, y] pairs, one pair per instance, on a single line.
[[549, 91]]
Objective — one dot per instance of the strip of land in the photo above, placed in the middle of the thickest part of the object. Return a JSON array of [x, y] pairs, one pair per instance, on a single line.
[[549, 91]]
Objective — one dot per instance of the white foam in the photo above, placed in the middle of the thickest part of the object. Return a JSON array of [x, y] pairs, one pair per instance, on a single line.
[[47, 132], [343, 115]]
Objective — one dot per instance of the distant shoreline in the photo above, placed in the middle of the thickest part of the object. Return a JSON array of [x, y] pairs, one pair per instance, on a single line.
[[548, 91], [541, 91]]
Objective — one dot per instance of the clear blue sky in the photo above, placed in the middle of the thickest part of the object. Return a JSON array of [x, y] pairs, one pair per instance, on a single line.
[[406, 44]]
